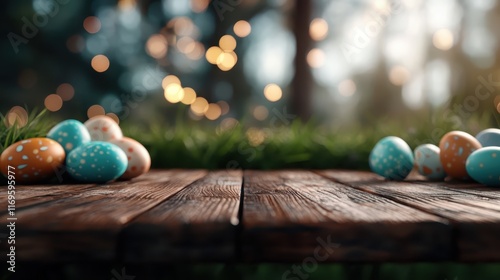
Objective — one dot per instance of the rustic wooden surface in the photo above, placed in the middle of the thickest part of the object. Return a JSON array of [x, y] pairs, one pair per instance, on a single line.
[[256, 216]]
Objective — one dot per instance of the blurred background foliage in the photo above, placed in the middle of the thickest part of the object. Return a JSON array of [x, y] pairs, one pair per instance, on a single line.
[[255, 83]]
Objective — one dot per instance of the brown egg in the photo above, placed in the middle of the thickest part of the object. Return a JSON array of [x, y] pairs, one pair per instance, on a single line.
[[32, 160], [456, 146]]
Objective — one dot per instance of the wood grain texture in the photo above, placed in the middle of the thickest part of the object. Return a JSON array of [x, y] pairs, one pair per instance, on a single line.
[[199, 223], [83, 224], [475, 217], [294, 215]]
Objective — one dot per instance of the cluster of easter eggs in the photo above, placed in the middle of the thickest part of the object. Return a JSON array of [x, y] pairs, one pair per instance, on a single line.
[[459, 155], [95, 152]]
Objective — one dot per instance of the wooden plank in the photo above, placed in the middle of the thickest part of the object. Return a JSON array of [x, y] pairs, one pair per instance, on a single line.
[[197, 224], [475, 218], [294, 215], [84, 225]]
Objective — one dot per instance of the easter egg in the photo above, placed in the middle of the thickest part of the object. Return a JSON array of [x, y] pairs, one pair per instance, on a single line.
[[428, 163], [391, 158], [138, 157], [483, 166], [103, 128], [32, 160], [96, 162], [70, 134], [456, 146], [489, 137]]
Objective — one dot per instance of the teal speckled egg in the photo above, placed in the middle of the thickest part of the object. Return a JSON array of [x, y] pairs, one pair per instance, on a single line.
[[96, 162], [70, 134], [391, 158], [489, 137], [483, 165]]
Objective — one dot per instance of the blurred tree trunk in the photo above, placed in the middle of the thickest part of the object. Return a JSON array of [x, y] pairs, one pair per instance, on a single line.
[[301, 94]]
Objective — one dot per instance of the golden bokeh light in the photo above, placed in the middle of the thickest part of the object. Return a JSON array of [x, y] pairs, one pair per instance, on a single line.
[[273, 92], [186, 45], [197, 51], [100, 63], [242, 28], [212, 54], [316, 58], [126, 4], [213, 112], [227, 60], [18, 116], [347, 87], [65, 91], [227, 124], [53, 102], [174, 93], [157, 46], [199, 106], [443, 39], [255, 136], [92, 24], [227, 43], [183, 26], [95, 110], [260, 113], [114, 117], [399, 75], [318, 29], [170, 79], [199, 6], [224, 107], [189, 96]]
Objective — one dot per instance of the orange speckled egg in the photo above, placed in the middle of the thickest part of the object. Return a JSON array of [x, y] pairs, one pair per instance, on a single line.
[[32, 160], [456, 146]]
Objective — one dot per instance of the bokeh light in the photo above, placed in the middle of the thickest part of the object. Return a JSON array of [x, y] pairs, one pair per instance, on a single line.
[[189, 96], [199, 6], [224, 107], [213, 112], [399, 75], [100, 63], [227, 60], [65, 91], [255, 136], [242, 28], [186, 45], [95, 110], [18, 116], [347, 87], [273, 92], [316, 58], [443, 39], [92, 24], [318, 29], [199, 106], [227, 43], [170, 79], [212, 54], [260, 113], [157, 46], [75, 43], [174, 93], [53, 102]]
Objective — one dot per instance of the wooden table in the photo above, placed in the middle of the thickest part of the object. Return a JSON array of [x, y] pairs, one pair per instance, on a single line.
[[256, 216]]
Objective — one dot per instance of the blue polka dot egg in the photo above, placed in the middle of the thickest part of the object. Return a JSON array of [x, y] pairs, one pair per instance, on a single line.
[[70, 134], [489, 137], [483, 165], [391, 158], [96, 162]]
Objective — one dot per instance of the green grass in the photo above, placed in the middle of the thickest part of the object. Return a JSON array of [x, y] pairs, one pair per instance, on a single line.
[[38, 124]]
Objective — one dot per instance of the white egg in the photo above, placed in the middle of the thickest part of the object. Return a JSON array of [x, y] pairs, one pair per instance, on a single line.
[[428, 163], [138, 157], [103, 128]]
